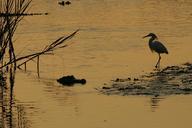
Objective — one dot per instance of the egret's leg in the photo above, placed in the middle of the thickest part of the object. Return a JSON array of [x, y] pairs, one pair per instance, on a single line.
[[159, 59], [158, 62]]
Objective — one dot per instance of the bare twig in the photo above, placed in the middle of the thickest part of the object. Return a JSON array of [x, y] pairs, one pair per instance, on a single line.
[[53, 46]]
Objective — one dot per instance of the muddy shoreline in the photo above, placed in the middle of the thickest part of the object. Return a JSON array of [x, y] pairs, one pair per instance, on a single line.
[[172, 80]]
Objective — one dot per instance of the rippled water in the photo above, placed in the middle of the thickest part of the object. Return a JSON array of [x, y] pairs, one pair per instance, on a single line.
[[108, 45]]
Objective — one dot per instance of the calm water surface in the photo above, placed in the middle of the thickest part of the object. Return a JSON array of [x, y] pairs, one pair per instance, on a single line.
[[108, 45]]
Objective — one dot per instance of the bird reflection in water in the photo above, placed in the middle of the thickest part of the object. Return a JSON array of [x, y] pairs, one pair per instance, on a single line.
[[155, 102], [157, 82]]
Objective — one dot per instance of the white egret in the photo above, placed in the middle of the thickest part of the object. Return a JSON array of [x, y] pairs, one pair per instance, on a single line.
[[156, 46]]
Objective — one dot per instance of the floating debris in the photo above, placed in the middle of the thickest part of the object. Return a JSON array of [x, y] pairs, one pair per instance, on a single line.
[[64, 3], [171, 80], [70, 80], [67, 2]]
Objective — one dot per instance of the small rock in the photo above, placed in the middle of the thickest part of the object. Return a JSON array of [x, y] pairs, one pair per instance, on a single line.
[[106, 88], [135, 79], [117, 80]]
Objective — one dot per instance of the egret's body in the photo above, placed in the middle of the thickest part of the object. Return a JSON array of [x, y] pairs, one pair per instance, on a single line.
[[156, 46]]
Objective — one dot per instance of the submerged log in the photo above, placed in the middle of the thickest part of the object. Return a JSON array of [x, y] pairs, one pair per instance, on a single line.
[[70, 80]]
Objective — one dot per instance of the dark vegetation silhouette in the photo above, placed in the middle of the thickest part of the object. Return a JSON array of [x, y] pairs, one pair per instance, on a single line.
[[57, 44], [8, 25], [11, 13]]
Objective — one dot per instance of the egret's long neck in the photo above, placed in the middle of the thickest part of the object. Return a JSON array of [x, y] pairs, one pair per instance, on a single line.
[[151, 39]]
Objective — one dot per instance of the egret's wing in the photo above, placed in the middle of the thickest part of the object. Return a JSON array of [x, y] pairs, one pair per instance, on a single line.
[[159, 47]]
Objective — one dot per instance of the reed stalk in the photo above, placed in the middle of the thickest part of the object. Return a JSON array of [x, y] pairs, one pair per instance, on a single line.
[[8, 25], [11, 13]]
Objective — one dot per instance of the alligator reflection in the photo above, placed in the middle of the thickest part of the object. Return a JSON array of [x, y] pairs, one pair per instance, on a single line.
[[11, 114]]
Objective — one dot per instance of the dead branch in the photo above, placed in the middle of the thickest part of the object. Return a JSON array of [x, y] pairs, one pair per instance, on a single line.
[[53, 46], [20, 14]]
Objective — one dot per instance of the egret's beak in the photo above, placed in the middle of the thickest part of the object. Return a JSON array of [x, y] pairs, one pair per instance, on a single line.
[[146, 36]]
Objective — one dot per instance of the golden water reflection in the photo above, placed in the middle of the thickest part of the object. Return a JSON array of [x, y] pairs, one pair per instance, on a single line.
[[109, 45]]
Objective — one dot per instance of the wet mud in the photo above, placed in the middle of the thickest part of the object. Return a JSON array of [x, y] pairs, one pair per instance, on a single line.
[[172, 80]]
